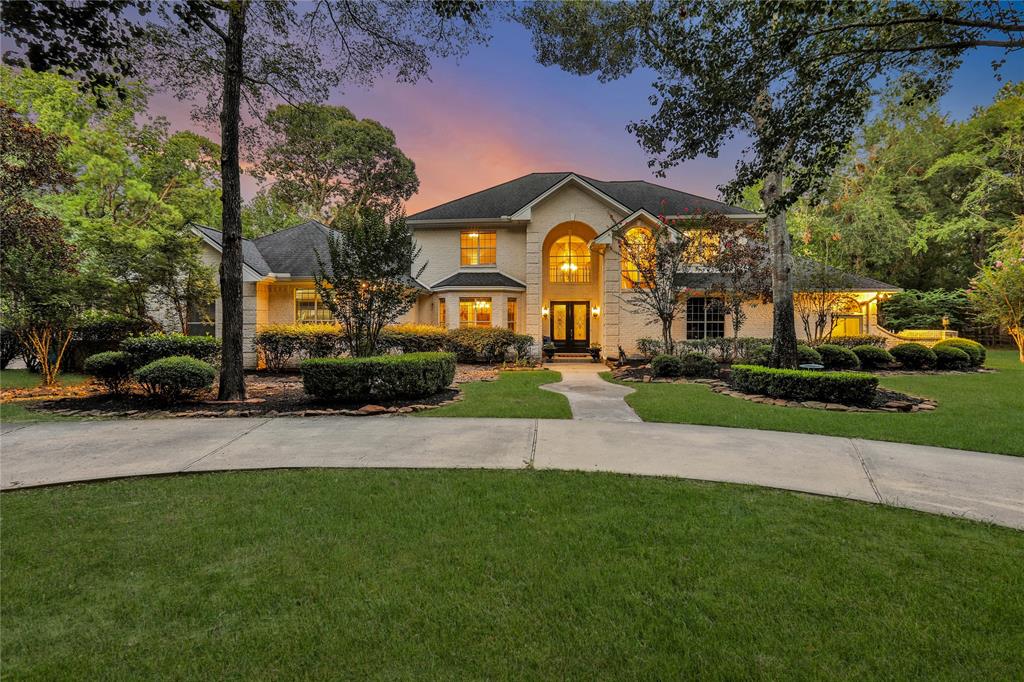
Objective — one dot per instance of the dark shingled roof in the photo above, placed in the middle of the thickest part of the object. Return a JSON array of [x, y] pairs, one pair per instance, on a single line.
[[803, 269], [508, 197], [482, 280], [251, 256]]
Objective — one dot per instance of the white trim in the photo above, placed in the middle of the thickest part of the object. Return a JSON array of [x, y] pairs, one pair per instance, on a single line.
[[605, 237], [475, 288], [525, 213], [464, 222], [478, 288]]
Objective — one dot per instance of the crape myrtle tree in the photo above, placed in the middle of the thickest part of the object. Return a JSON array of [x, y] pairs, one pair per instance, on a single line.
[[366, 280], [740, 263], [997, 291], [230, 54], [796, 79], [324, 161]]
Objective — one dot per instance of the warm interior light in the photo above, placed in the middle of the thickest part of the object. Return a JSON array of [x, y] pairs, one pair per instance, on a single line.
[[544, 312], [473, 235]]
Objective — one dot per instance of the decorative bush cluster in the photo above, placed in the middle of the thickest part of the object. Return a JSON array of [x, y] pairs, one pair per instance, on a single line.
[[665, 365], [837, 357], [112, 368], [102, 332], [914, 356], [276, 344], [806, 355], [383, 377], [872, 357], [481, 344], [858, 340], [848, 388], [723, 349], [951, 357], [146, 349], [975, 351], [699, 365], [414, 338], [175, 377]]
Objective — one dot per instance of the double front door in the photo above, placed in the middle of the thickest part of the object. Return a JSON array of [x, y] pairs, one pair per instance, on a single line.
[[570, 326]]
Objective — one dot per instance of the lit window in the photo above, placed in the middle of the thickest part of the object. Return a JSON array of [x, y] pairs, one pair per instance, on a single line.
[[474, 312], [705, 318], [639, 243], [309, 309], [478, 248], [703, 247], [569, 261], [510, 313], [442, 313]]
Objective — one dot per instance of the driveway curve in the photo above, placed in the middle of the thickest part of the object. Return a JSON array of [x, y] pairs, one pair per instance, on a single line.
[[975, 485]]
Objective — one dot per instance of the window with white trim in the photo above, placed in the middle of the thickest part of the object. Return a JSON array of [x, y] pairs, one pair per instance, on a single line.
[[474, 312], [309, 309]]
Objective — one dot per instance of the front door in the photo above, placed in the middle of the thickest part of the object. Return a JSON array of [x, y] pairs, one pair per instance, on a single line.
[[570, 326]]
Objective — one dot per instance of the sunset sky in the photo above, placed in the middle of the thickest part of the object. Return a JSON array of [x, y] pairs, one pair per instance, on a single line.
[[498, 114]]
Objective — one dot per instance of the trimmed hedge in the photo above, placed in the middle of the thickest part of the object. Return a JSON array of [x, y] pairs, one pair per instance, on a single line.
[[414, 338], [480, 344], [667, 365], [951, 357], [382, 377], [837, 357], [276, 344], [858, 340], [699, 365], [975, 351], [112, 368], [175, 377], [872, 356], [99, 332], [848, 388], [914, 356], [146, 349]]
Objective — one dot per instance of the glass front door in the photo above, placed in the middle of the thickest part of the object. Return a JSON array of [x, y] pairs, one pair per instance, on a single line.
[[570, 326]]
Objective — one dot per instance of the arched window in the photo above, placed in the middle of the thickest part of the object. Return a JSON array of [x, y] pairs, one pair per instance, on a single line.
[[637, 245], [569, 261]]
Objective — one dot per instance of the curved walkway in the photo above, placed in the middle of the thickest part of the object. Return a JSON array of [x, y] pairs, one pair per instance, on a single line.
[[591, 397], [953, 482]]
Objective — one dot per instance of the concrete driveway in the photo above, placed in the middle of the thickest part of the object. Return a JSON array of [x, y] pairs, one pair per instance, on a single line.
[[952, 482]]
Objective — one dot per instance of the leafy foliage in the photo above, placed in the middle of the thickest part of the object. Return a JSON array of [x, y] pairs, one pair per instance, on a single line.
[[997, 292], [146, 349], [974, 350], [482, 344], [873, 357], [837, 357], [665, 365], [113, 369], [848, 388], [175, 377], [949, 357], [383, 377], [914, 309], [913, 355]]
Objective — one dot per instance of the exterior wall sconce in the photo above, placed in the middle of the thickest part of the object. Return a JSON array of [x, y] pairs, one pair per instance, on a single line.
[[544, 311], [595, 311]]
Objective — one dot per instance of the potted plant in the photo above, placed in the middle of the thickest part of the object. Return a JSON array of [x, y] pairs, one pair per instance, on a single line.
[[595, 352], [549, 351]]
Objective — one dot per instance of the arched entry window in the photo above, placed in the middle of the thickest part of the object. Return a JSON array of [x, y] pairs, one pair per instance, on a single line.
[[638, 245], [569, 261]]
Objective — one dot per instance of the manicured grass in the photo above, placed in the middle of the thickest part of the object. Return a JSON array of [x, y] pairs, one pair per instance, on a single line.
[[472, 574], [976, 411], [22, 378], [514, 394]]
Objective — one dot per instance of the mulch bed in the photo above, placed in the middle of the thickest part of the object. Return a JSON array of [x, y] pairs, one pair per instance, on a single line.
[[885, 400], [269, 395]]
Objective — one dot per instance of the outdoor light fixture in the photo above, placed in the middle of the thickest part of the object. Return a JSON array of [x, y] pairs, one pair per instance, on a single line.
[[544, 312], [595, 311]]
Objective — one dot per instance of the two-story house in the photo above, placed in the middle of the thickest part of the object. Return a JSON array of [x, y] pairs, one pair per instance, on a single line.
[[534, 254]]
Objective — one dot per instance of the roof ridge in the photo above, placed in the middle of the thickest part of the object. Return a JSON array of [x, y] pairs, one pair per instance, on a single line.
[[286, 229], [487, 189]]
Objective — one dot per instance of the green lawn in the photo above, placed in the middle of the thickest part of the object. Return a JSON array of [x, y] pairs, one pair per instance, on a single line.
[[22, 378], [514, 394], [976, 411], [472, 574]]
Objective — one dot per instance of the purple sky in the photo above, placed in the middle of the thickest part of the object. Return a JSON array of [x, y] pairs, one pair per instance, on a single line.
[[498, 114]]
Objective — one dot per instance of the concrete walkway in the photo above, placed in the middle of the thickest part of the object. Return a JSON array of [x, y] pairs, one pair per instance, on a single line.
[[938, 480], [591, 397]]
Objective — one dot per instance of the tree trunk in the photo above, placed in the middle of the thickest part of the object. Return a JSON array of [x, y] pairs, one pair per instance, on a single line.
[[666, 336], [232, 375], [780, 252]]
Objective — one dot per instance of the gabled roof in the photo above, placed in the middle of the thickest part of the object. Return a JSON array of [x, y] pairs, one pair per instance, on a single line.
[[485, 279], [251, 256], [509, 198]]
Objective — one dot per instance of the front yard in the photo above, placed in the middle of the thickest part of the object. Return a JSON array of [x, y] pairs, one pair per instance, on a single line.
[[472, 574], [514, 394], [976, 411]]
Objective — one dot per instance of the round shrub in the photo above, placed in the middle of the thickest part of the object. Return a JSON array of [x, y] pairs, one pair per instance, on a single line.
[[807, 355], [146, 349], [975, 351], [699, 365], [175, 377], [914, 356], [949, 357], [112, 368], [837, 357], [381, 377], [872, 357], [667, 366], [760, 355]]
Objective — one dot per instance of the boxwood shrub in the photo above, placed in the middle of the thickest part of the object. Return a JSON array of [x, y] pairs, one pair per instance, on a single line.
[[837, 357], [950, 357], [975, 351], [667, 365], [699, 365], [914, 356], [381, 377], [175, 377], [100, 332], [848, 388], [414, 338], [807, 355], [481, 344], [872, 356], [858, 340], [146, 349], [112, 368]]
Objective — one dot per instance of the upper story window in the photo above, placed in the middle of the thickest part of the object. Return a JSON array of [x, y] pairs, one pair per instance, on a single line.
[[309, 309], [569, 261], [704, 246], [637, 245], [478, 248]]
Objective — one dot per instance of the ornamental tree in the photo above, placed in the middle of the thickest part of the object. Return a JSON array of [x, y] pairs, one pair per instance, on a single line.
[[741, 262], [997, 291], [366, 278]]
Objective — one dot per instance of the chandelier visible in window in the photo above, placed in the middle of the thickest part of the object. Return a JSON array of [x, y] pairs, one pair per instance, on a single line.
[[569, 260]]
